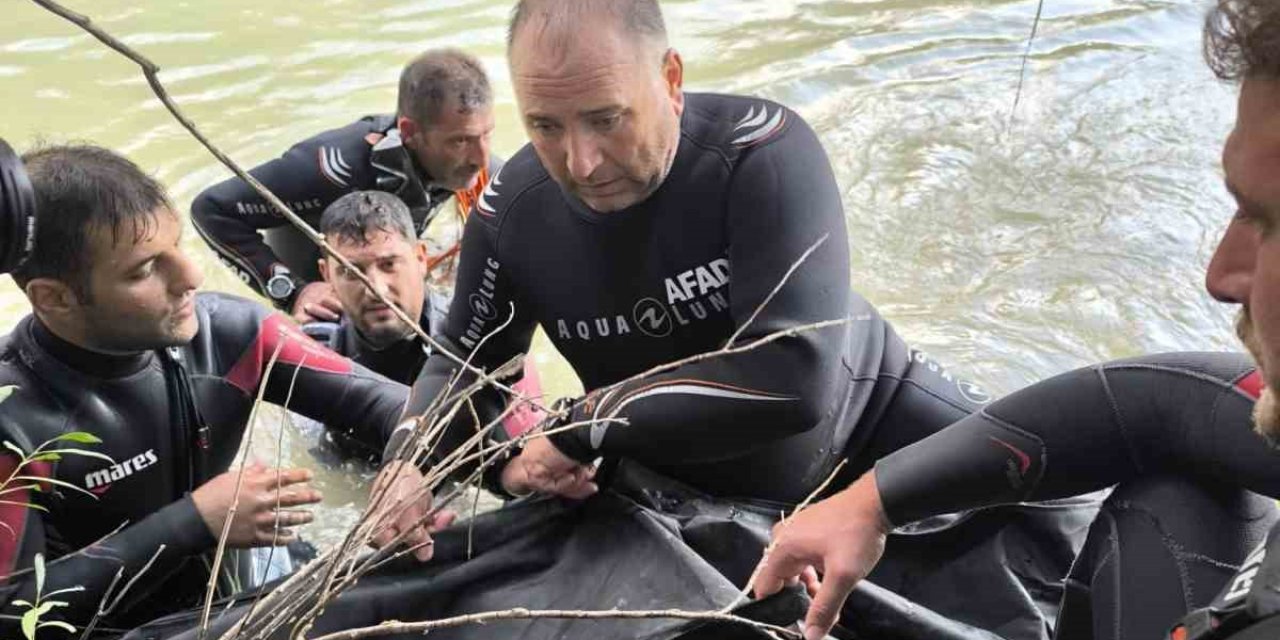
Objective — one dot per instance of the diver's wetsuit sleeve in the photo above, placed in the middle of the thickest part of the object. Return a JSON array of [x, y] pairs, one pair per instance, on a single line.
[[178, 528], [308, 177], [1189, 414], [484, 299], [783, 198], [307, 377]]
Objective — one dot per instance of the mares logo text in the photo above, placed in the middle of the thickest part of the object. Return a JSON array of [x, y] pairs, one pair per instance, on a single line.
[[99, 481]]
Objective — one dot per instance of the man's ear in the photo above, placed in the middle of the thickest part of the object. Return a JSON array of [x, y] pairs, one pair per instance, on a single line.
[[421, 255], [324, 269], [52, 298], [673, 77], [409, 128]]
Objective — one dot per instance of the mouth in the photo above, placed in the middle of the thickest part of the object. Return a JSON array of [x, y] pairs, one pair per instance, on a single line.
[[378, 311], [185, 310], [608, 187]]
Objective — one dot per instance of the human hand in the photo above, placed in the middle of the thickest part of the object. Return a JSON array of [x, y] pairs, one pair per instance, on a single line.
[[541, 467], [842, 536], [409, 502], [263, 511], [316, 302]]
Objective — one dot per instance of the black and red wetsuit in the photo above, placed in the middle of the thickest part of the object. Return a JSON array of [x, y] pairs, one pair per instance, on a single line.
[[170, 420], [1174, 431]]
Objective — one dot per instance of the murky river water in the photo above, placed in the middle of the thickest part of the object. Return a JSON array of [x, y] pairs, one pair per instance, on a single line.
[[1010, 245]]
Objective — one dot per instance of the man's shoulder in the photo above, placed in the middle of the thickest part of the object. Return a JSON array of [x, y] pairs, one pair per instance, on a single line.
[[344, 154], [732, 124], [29, 414], [517, 183]]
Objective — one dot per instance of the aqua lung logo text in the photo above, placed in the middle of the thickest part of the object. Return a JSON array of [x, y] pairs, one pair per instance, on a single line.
[[263, 209], [483, 308], [99, 481], [652, 318], [692, 296]]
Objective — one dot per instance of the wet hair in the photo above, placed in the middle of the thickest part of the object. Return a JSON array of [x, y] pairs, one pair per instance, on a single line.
[[1242, 39], [640, 19], [354, 216], [440, 78], [81, 190]]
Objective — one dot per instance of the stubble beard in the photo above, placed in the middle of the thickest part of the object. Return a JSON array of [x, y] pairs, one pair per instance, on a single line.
[[1266, 411]]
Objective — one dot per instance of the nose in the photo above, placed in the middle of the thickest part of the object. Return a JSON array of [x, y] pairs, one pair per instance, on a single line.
[[1230, 274], [381, 282], [583, 157], [189, 275], [479, 153]]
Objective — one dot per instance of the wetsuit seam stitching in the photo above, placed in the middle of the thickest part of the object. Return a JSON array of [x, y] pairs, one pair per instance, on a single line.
[[1118, 417], [1222, 384], [944, 399]]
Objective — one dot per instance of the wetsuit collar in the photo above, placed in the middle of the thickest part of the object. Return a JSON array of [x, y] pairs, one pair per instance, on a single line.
[[92, 363]]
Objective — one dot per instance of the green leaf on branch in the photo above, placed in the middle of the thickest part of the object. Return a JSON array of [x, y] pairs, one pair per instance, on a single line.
[[58, 624], [79, 437], [29, 621]]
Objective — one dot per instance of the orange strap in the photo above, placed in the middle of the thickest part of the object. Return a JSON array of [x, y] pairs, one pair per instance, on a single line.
[[467, 197]]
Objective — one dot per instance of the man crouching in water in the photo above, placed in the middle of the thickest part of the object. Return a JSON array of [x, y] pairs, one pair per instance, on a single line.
[[120, 345], [374, 231]]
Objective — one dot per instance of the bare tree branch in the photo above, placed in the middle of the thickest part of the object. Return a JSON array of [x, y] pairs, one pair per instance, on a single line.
[[769, 298], [235, 501], [391, 628]]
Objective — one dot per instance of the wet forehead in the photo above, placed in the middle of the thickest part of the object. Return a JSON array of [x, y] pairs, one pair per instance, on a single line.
[[1251, 157], [133, 239], [453, 121], [595, 59], [378, 244]]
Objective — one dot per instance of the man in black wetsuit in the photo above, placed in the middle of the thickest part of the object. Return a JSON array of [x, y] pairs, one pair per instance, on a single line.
[[433, 150], [1176, 432], [644, 225], [374, 231], [120, 345]]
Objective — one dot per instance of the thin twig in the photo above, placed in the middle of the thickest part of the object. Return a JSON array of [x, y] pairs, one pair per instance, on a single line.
[[275, 536], [391, 628], [105, 609], [767, 299], [1026, 55], [235, 500], [786, 520]]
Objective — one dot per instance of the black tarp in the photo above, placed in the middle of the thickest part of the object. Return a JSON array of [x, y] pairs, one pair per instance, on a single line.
[[646, 542]]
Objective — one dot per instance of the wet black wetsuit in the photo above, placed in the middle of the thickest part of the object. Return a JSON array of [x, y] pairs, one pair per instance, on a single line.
[[750, 190], [366, 154], [400, 361], [1248, 608], [1173, 431], [170, 420]]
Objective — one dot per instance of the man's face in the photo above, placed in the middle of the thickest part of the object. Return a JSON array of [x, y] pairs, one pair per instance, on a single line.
[[455, 147], [1246, 266], [142, 294], [397, 267], [602, 111]]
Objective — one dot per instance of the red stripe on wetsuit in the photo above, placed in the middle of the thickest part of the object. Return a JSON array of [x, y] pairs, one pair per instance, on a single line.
[[1251, 384], [14, 510], [298, 349]]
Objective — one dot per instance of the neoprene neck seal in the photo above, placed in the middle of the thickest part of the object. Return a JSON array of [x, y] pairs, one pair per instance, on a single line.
[[17, 211]]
